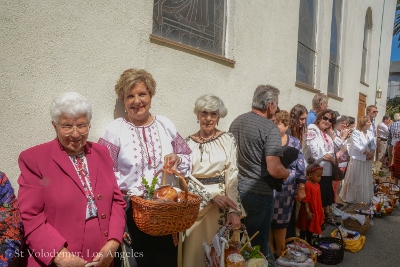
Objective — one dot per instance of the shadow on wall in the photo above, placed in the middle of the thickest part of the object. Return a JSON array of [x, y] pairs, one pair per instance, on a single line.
[[119, 110]]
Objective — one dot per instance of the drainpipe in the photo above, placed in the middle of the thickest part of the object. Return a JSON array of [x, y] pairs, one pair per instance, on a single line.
[[379, 53]]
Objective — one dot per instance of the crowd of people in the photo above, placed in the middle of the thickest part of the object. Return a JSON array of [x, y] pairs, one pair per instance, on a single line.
[[75, 196]]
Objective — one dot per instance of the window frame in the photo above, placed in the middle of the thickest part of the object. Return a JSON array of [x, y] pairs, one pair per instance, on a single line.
[[301, 82], [222, 58], [336, 65], [366, 48]]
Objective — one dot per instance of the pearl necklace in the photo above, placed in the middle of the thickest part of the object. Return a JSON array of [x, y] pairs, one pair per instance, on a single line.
[[144, 148]]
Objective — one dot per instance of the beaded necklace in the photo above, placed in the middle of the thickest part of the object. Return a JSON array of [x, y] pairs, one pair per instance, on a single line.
[[144, 147], [203, 140]]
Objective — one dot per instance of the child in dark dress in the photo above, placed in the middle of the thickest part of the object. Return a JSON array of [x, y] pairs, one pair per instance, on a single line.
[[311, 214]]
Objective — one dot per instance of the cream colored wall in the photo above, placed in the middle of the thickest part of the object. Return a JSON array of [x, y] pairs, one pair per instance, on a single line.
[[49, 47]]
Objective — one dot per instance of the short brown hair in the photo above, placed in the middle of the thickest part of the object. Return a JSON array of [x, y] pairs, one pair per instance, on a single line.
[[361, 122], [370, 107], [283, 117], [130, 78], [322, 113]]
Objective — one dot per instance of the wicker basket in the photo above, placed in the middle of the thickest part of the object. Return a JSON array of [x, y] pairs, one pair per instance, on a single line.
[[392, 201], [353, 224], [388, 188], [313, 256], [163, 218], [330, 256], [229, 234]]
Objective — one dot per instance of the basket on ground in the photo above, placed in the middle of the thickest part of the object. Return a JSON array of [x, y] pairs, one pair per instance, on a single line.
[[237, 238], [354, 225], [163, 218], [309, 262], [388, 188], [332, 249]]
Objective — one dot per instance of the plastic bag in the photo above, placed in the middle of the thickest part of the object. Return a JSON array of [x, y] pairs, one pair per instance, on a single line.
[[350, 244]]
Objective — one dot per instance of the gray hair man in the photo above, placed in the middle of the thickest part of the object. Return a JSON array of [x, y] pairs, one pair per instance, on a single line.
[[259, 149], [319, 103]]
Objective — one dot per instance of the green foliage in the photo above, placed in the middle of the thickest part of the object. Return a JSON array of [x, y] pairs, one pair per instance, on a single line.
[[393, 106], [150, 189], [250, 253]]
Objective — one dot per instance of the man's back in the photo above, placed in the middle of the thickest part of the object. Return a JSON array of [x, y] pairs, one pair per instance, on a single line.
[[257, 137]]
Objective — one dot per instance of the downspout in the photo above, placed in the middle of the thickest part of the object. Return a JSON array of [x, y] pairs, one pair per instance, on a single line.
[[379, 53]]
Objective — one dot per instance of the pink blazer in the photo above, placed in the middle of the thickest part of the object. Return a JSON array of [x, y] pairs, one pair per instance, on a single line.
[[53, 203]]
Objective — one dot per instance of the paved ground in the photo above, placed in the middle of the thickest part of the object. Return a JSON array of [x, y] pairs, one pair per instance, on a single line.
[[381, 247]]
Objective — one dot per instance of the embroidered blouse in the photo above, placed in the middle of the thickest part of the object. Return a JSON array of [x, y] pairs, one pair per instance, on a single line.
[[81, 167], [319, 144], [214, 158], [139, 151]]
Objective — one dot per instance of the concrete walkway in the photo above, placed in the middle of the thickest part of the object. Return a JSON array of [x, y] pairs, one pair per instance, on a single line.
[[381, 247]]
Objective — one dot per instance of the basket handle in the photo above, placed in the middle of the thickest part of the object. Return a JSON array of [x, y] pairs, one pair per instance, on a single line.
[[360, 205], [181, 178], [337, 227], [296, 239]]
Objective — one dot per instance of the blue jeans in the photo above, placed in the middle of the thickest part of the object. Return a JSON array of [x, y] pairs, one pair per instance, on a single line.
[[259, 210]]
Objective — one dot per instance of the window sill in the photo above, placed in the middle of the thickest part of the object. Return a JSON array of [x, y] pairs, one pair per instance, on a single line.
[[306, 87], [333, 96], [363, 83], [191, 50]]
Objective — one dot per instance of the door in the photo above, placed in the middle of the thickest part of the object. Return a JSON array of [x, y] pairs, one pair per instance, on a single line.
[[362, 105]]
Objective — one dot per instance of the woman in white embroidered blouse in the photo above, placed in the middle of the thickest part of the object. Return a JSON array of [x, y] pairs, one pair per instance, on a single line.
[[214, 177], [139, 144], [357, 184], [319, 145]]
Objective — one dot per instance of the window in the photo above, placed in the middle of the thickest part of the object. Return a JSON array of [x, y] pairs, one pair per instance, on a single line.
[[334, 68], [198, 24], [366, 43], [306, 43]]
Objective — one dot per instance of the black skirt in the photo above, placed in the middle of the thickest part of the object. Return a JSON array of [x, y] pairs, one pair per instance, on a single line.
[[327, 195]]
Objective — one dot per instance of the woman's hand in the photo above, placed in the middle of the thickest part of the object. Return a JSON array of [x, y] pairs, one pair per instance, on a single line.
[[309, 215], [234, 219], [301, 192], [224, 202], [345, 134], [173, 161], [64, 258], [328, 157], [330, 132], [106, 254]]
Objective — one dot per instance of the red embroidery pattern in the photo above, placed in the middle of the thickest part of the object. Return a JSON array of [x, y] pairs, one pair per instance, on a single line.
[[180, 146], [114, 151], [11, 233], [83, 173]]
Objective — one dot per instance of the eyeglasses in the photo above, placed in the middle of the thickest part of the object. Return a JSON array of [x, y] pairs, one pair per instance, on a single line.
[[375, 111], [81, 129], [325, 118]]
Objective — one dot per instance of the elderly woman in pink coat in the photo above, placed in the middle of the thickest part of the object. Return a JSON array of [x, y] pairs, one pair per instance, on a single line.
[[71, 206]]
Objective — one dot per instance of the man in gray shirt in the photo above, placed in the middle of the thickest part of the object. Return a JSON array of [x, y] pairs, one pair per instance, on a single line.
[[259, 149]]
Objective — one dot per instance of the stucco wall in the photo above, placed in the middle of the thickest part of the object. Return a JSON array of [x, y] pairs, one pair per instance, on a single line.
[[50, 47]]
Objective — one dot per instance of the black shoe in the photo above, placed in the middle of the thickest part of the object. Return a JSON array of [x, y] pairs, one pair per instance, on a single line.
[[339, 205]]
